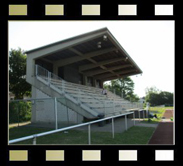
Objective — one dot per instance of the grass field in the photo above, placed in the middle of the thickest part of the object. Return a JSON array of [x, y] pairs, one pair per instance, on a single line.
[[134, 135], [159, 111]]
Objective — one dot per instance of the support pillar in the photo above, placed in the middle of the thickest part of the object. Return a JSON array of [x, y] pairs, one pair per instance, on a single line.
[[55, 69]]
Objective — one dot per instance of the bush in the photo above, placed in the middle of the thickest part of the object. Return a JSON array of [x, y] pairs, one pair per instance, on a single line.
[[19, 112], [149, 120], [171, 118]]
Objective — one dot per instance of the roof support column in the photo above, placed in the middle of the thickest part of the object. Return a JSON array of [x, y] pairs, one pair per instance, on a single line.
[[84, 80], [94, 82], [55, 69], [30, 69], [102, 83]]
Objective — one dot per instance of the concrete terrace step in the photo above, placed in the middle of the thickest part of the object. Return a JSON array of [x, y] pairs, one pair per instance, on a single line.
[[90, 98]]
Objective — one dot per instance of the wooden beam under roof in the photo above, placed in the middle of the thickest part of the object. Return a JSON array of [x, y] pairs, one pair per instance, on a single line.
[[91, 60], [91, 66], [123, 76], [99, 71], [74, 59], [103, 68], [102, 76]]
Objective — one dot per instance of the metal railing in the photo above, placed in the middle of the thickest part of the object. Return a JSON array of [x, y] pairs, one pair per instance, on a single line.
[[35, 136]]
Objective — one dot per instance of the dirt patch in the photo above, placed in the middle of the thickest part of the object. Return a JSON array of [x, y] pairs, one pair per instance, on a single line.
[[20, 124]]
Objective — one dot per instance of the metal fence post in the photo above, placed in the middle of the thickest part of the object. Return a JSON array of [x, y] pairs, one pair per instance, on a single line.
[[139, 116], [18, 113], [55, 103], [49, 78], [89, 134], [105, 107], [126, 127], [67, 115], [34, 140], [112, 128]]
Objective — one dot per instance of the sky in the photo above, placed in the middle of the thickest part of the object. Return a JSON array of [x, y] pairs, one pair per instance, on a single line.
[[149, 43]]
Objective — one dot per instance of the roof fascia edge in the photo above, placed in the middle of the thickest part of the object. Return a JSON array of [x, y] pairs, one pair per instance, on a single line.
[[122, 49], [102, 30]]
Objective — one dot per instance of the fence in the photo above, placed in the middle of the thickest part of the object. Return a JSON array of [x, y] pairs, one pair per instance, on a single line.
[[19, 111], [43, 112], [52, 112], [88, 124]]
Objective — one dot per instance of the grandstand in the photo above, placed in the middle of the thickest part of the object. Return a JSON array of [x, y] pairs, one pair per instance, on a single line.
[[73, 70]]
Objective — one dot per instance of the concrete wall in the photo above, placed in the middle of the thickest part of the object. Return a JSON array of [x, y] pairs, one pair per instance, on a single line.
[[71, 74], [30, 69], [43, 111], [142, 114]]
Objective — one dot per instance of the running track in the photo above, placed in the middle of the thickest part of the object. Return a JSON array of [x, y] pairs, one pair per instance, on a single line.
[[164, 132]]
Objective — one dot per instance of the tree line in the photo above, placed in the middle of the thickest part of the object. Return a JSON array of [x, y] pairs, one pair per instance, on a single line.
[[157, 97]]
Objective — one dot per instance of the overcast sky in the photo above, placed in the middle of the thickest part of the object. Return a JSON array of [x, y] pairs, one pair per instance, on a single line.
[[149, 43]]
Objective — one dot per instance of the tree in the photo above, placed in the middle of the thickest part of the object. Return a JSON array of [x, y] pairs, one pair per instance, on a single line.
[[152, 89], [153, 99], [17, 73], [132, 97], [123, 87], [166, 98], [157, 97]]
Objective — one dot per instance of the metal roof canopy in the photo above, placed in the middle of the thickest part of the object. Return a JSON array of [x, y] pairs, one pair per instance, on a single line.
[[97, 54]]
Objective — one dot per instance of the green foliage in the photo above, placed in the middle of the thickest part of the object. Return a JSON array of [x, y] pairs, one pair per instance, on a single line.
[[159, 111], [17, 72], [171, 118], [123, 87], [19, 112], [157, 97], [149, 120], [132, 97], [152, 89]]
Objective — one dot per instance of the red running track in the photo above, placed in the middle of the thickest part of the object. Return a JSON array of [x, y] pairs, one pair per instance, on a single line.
[[164, 132]]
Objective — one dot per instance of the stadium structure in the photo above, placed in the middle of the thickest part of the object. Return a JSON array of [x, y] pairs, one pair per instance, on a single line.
[[74, 70]]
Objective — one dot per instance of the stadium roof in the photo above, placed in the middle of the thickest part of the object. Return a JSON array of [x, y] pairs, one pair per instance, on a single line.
[[97, 54]]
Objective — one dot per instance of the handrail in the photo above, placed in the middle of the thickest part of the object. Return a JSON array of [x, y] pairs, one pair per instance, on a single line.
[[63, 129]]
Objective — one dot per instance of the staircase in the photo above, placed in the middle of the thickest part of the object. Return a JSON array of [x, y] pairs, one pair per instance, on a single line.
[[86, 101]]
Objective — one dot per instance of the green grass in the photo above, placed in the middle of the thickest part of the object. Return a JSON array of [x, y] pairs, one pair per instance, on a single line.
[[171, 118], [134, 135], [152, 120], [159, 111]]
